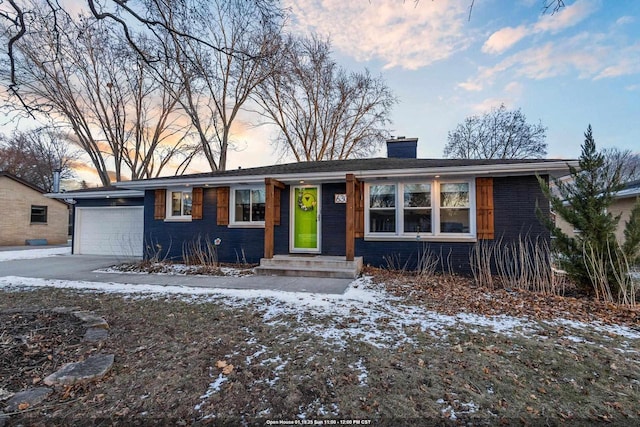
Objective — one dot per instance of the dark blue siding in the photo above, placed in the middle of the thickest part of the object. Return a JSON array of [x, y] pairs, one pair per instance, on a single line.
[[281, 232], [116, 201], [334, 222], [170, 237], [515, 200]]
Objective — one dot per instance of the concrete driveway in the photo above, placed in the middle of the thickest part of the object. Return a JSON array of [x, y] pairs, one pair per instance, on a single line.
[[82, 267]]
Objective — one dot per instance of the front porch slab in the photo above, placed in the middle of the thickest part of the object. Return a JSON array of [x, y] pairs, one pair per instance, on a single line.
[[336, 267]]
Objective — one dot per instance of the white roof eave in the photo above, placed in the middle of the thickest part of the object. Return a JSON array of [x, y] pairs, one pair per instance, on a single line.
[[552, 168], [97, 194]]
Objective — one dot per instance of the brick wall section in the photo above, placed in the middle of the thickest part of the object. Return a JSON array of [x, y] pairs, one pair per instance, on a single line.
[[515, 200], [15, 215]]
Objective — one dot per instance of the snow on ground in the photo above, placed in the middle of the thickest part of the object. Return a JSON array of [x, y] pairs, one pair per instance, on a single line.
[[175, 270], [33, 253], [364, 312]]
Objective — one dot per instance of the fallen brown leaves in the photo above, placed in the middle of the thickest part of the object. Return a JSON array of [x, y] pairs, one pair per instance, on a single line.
[[455, 294]]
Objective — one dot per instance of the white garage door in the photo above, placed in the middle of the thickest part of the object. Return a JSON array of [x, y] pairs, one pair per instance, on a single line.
[[109, 231]]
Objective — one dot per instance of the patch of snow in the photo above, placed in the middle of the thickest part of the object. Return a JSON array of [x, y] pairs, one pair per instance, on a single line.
[[262, 350], [33, 253], [317, 408], [214, 387], [620, 330], [365, 312], [363, 372], [464, 408], [165, 269]]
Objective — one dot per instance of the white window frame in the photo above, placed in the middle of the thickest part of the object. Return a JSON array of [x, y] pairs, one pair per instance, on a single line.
[[233, 222], [435, 234], [169, 208]]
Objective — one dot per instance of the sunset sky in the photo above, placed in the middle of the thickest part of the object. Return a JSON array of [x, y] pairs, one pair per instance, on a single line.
[[577, 67]]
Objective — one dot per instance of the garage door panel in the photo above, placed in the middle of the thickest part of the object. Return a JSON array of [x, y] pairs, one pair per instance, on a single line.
[[109, 231]]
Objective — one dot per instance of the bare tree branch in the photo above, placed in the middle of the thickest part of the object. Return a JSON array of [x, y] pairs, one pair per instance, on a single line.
[[498, 134], [322, 111], [122, 117]]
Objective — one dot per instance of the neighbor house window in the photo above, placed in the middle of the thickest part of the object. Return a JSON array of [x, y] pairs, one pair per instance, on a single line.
[[248, 206], [38, 214], [179, 204], [420, 209]]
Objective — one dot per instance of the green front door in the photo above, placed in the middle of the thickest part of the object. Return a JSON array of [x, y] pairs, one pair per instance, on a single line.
[[306, 219]]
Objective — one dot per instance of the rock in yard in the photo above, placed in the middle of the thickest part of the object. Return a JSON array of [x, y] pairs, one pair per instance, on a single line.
[[91, 320], [93, 367], [95, 334], [27, 398], [5, 394]]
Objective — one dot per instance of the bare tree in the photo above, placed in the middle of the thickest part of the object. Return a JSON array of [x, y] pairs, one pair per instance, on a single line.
[[322, 111], [34, 155], [629, 163], [498, 134], [217, 82], [88, 80]]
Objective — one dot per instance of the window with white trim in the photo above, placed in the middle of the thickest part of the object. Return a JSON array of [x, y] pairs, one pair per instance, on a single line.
[[179, 204], [420, 208], [247, 206], [455, 208]]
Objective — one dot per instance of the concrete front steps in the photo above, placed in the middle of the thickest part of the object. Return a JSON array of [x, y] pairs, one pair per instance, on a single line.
[[336, 267]]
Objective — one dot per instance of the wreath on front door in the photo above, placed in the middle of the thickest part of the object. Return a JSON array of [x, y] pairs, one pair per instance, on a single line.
[[306, 201]]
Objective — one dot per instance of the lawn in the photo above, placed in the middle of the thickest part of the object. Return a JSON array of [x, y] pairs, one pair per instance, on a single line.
[[389, 351]]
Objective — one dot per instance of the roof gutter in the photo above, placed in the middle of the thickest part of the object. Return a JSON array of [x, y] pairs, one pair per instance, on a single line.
[[122, 194], [552, 168]]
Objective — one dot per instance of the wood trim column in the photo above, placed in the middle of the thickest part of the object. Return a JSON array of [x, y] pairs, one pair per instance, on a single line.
[[159, 208], [222, 205], [196, 205], [351, 218], [271, 216], [484, 209]]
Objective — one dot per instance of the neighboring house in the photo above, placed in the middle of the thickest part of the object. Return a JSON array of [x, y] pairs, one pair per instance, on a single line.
[[622, 205], [27, 215], [368, 209]]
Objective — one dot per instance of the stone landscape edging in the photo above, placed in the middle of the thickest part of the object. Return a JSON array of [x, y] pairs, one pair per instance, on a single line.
[[92, 368]]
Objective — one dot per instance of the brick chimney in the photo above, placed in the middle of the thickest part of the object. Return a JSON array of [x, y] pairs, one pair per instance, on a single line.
[[402, 148]]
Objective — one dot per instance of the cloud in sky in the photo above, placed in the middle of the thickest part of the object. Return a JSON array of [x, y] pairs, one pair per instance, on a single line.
[[405, 34], [503, 39], [586, 55]]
